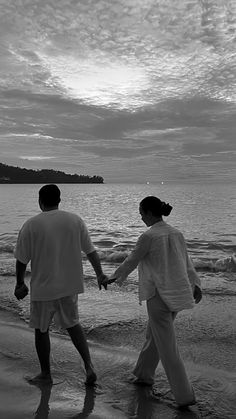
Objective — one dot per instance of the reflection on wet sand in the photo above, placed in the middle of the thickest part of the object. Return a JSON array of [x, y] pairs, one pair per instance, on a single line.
[[145, 405], [43, 408], [89, 403]]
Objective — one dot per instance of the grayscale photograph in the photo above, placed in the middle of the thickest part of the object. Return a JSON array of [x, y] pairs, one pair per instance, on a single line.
[[118, 209]]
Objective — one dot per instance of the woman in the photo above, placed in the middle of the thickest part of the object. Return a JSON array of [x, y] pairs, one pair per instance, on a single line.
[[169, 283]]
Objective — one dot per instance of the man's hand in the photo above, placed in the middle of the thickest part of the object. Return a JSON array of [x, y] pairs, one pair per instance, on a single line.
[[197, 294], [102, 281], [21, 291]]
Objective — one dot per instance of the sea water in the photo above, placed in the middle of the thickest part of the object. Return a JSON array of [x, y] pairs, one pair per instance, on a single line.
[[206, 215]]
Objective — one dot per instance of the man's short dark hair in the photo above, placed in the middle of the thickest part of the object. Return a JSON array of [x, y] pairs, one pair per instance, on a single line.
[[50, 195]]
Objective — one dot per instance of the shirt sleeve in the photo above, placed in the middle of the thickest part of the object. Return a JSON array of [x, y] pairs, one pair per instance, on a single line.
[[131, 262], [192, 274], [22, 251], [86, 243], [191, 271]]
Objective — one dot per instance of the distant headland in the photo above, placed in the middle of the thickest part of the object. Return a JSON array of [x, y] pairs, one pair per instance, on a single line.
[[12, 174]]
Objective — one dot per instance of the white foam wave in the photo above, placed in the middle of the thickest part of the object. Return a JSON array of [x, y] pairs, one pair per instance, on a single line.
[[227, 264], [6, 248], [118, 255], [224, 264], [113, 257]]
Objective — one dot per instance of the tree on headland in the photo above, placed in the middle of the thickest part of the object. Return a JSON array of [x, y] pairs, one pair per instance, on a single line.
[[12, 174]]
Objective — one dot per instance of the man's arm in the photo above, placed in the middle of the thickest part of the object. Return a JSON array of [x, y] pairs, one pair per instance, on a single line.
[[21, 290], [20, 273], [96, 264]]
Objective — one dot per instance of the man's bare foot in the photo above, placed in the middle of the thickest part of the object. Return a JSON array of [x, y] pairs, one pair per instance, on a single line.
[[40, 379], [91, 376]]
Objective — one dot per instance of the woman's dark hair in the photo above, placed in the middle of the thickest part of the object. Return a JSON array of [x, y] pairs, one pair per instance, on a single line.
[[49, 195], [155, 206]]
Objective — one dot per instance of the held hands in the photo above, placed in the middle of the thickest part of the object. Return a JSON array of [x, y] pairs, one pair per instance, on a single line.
[[102, 281], [197, 294], [21, 291], [111, 279]]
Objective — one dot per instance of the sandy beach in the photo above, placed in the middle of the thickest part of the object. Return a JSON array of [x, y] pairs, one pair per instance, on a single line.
[[206, 339]]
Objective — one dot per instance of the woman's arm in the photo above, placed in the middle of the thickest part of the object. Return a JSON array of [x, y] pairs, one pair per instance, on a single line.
[[131, 262], [194, 280]]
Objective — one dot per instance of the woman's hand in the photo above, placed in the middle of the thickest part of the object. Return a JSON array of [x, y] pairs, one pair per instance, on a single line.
[[111, 279], [197, 294]]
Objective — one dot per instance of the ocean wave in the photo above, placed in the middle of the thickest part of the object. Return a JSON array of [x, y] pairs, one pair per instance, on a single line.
[[118, 255], [219, 292], [10, 270], [204, 245], [224, 264], [6, 248]]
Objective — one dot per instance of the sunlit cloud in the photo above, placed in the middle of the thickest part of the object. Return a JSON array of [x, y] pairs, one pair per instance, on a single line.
[[27, 135], [97, 82], [36, 158]]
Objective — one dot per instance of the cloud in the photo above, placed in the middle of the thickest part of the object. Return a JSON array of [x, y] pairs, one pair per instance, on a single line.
[[36, 158], [123, 54], [103, 83], [126, 89], [202, 147]]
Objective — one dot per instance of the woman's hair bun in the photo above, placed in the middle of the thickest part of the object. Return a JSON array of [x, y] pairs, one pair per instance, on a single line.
[[156, 206], [166, 209]]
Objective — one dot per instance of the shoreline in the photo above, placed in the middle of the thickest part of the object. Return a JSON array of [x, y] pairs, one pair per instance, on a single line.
[[206, 338], [114, 317]]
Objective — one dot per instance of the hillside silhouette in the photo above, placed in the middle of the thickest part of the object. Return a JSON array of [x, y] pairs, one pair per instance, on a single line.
[[12, 174]]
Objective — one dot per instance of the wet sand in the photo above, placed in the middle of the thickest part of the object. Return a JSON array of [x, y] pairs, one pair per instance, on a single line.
[[206, 337]]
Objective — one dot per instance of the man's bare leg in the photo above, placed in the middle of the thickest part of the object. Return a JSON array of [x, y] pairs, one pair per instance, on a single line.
[[79, 340], [42, 344]]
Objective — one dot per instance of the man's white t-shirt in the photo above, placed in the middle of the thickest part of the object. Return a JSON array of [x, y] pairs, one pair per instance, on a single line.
[[53, 242]]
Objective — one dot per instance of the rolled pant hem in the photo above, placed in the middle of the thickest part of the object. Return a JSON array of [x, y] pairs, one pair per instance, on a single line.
[[144, 379]]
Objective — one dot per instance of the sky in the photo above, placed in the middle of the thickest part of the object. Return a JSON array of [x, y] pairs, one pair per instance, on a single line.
[[130, 90]]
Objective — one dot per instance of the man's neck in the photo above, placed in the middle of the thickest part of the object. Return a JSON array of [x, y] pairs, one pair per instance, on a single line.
[[46, 209]]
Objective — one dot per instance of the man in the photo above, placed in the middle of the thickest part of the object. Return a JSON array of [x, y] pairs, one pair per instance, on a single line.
[[53, 241]]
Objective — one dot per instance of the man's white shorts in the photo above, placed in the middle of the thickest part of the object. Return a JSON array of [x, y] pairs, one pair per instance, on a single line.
[[64, 311]]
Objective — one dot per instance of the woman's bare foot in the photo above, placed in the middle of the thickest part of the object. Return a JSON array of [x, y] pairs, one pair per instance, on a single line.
[[186, 405], [139, 381], [41, 378]]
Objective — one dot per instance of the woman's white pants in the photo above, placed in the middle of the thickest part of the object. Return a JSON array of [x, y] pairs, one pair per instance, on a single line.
[[161, 345]]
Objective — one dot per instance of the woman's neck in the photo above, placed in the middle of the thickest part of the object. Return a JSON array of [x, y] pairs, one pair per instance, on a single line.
[[155, 220]]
